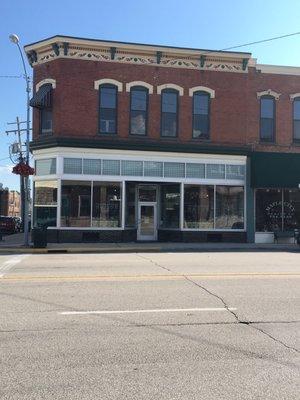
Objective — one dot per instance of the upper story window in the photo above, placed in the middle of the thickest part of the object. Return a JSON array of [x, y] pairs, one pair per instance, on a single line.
[[108, 108], [42, 100], [201, 106], [296, 119], [267, 119], [46, 120], [138, 110], [169, 112]]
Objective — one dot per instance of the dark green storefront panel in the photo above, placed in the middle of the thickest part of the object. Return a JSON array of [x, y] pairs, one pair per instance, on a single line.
[[275, 170]]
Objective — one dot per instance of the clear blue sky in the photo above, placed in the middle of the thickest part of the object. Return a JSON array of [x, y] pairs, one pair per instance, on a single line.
[[213, 24]]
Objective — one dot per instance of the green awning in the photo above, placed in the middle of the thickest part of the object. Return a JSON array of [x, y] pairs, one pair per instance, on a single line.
[[275, 170], [43, 97]]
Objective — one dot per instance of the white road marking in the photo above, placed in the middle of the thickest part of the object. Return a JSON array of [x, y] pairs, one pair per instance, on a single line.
[[5, 267], [163, 310]]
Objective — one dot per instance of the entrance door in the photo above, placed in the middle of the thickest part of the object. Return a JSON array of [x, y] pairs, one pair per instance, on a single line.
[[147, 226]]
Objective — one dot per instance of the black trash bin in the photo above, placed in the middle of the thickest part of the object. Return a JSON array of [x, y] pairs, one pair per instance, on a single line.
[[297, 235], [39, 237]]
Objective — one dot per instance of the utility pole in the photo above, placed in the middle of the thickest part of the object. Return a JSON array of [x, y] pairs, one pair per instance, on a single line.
[[16, 155]]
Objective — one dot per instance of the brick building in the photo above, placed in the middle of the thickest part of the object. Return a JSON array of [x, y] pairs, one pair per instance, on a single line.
[[146, 142], [10, 202]]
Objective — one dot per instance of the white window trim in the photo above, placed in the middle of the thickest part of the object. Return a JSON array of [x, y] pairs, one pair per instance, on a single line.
[[50, 81], [294, 95], [139, 83], [268, 92], [202, 89], [110, 82], [180, 89]]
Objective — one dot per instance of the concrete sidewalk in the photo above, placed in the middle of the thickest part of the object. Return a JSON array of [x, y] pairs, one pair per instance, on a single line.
[[14, 244]]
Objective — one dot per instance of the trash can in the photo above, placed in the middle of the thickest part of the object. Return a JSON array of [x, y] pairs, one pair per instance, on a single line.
[[297, 235], [39, 237]]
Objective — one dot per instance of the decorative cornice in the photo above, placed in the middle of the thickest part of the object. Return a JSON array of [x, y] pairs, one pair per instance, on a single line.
[[85, 49], [110, 82], [268, 92], [180, 89], [52, 82], [139, 83], [201, 89]]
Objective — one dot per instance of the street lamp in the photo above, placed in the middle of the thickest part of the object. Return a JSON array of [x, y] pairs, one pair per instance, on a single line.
[[15, 39]]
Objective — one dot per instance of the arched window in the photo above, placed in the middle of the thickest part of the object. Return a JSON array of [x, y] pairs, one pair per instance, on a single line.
[[169, 112], [201, 109], [296, 119], [108, 108], [138, 110], [267, 119]]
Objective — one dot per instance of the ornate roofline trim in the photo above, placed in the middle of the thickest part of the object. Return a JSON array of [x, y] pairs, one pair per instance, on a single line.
[[202, 89], [110, 82], [268, 92], [294, 95], [170, 86], [50, 81], [139, 83]]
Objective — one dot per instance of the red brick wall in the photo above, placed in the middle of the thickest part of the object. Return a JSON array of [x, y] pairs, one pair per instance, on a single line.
[[234, 110]]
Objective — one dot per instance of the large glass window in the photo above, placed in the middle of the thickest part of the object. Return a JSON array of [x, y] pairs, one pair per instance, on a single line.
[[130, 212], [201, 115], [76, 203], [170, 206], [45, 203], [198, 207], [169, 113], [106, 205], [267, 118], [229, 207], [108, 109], [296, 118], [277, 210], [45, 167], [138, 110]]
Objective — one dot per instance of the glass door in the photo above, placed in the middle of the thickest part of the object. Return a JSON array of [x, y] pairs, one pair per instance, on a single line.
[[147, 225]]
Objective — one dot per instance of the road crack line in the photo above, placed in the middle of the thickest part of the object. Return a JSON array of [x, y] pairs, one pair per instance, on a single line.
[[155, 263], [238, 320]]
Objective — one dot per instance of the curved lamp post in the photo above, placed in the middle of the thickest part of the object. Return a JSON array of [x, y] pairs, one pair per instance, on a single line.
[[15, 39]]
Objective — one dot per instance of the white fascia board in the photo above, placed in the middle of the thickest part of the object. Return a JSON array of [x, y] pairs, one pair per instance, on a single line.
[[135, 154], [278, 69]]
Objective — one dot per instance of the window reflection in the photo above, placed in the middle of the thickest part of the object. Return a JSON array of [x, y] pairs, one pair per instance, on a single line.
[[170, 206], [199, 207], [229, 207], [76, 204], [106, 205]]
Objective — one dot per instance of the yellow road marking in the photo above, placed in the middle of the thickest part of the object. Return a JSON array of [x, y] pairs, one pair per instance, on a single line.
[[147, 277]]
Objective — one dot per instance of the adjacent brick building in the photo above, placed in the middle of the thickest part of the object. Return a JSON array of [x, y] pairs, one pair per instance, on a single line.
[[146, 142]]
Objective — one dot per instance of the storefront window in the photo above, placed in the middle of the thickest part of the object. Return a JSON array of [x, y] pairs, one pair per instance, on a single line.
[[229, 207], [170, 206], [277, 210], [198, 207], [106, 205], [45, 203], [291, 209], [130, 212], [268, 210], [76, 203]]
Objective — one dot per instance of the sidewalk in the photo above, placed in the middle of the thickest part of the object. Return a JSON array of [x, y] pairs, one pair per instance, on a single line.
[[14, 244]]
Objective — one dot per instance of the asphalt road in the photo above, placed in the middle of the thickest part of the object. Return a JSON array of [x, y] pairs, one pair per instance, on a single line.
[[150, 326]]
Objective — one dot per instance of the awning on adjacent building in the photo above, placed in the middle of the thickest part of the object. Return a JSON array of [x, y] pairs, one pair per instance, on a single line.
[[43, 97], [275, 170]]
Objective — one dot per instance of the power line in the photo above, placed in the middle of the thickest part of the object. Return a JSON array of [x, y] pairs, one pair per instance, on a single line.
[[261, 41], [10, 76]]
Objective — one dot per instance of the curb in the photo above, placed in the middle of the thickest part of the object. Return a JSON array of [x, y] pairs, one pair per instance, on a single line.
[[134, 249]]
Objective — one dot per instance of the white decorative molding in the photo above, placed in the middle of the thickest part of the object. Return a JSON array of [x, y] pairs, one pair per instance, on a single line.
[[268, 92], [202, 89], [110, 82], [170, 86], [139, 83], [44, 82], [294, 95]]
